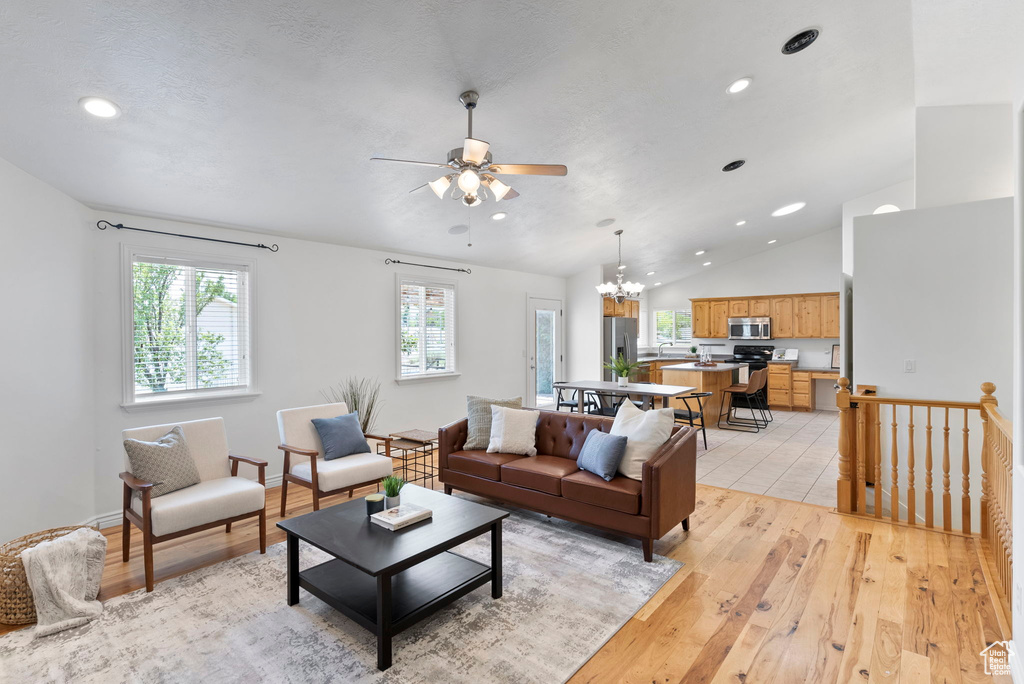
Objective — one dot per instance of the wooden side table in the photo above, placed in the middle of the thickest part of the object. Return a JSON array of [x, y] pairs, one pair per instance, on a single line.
[[415, 449]]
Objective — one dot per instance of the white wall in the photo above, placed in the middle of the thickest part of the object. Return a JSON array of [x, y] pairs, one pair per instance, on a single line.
[[900, 195], [313, 329], [963, 154], [48, 350], [584, 312]]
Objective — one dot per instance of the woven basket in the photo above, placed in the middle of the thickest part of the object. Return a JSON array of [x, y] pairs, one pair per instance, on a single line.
[[16, 606]]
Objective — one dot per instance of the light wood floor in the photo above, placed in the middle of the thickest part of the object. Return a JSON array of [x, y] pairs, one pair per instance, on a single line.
[[772, 591]]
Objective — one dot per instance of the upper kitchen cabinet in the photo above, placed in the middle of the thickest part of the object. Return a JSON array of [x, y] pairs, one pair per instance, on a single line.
[[629, 308], [782, 317], [830, 316], [806, 316], [701, 318], [738, 308], [719, 319], [760, 308]]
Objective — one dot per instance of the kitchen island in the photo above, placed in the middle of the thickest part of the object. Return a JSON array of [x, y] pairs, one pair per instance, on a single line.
[[711, 379]]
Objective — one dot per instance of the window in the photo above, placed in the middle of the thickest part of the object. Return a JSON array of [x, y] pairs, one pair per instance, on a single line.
[[673, 326], [189, 327], [426, 328]]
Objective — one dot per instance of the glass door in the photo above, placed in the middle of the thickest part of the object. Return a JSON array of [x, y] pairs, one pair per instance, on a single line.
[[544, 353]]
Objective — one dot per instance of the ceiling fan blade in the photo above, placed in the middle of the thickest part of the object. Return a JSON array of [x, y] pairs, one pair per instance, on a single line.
[[529, 169], [474, 151], [418, 187], [406, 161]]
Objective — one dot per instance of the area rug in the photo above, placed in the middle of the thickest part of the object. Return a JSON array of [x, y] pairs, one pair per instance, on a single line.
[[567, 590]]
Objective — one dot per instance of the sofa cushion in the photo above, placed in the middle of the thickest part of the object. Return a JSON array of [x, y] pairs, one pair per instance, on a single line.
[[621, 494], [203, 503], [542, 473], [645, 431], [601, 454], [513, 431], [344, 472], [478, 434], [341, 436], [480, 463], [166, 462]]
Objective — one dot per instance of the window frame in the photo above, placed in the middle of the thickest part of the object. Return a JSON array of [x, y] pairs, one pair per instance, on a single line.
[[674, 341], [129, 399], [400, 278]]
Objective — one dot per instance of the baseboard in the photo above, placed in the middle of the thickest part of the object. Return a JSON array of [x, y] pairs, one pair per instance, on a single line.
[[112, 519], [1016, 664]]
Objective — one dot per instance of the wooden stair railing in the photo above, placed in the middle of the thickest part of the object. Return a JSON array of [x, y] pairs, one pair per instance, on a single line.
[[865, 419]]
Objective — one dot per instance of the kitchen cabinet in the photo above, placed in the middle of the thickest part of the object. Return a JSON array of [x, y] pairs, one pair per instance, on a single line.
[[629, 308], [802, 390], [700, 311], [830, 316], [793, 390], [780, 385], [807, 317], [782, 317], [609, 306], [720, 319], [759, 308], [738, 308], [634, 308]]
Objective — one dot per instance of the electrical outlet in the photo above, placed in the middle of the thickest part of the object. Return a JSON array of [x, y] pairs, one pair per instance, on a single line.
[[910, 366]]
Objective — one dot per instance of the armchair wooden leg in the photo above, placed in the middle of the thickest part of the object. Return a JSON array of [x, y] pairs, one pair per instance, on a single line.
[[316, 498], [648, 545], [147, 555], [227, 527], [263, 530], [126, 538], [350, 492], [284, 496]]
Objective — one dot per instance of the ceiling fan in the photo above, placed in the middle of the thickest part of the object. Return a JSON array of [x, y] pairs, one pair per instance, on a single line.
[[471, 168]]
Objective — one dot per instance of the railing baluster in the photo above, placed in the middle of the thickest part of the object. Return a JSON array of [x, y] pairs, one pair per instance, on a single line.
[[911, 492], [947, 501], [862, 454], [878, 461], [894, 491], [965, 500], [929, 496]]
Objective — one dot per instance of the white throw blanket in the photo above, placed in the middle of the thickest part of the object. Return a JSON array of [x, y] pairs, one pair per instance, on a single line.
[[64, 575]]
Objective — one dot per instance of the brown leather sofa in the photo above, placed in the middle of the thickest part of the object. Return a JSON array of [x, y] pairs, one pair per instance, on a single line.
[[551, 482]]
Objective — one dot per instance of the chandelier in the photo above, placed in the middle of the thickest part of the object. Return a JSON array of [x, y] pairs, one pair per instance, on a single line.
[[620, 291]]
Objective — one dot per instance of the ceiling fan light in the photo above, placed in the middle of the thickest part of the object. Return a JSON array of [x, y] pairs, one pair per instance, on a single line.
[[440, 186], [469, 181], [471, 200], [497, 187], [474, 151]]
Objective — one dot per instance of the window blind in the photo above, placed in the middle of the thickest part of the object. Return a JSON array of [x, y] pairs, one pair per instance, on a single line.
[[427, 327], [675, 327], [190, 326]]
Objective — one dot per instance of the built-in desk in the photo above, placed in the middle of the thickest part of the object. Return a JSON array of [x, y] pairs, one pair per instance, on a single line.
[[791, 388]]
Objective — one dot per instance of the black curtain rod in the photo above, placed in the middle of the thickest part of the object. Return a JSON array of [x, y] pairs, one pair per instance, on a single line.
[[121, 226], [389, 260]]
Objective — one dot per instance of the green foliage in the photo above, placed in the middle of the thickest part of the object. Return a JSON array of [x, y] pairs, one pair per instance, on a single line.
[[392, 485], [359, 394], [621, 367]]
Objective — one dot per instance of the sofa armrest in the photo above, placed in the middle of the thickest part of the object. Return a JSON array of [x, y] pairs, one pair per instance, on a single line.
[[669, 487], [451, 438]]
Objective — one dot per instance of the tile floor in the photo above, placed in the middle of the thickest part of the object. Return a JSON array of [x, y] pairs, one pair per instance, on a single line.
[[795, 458]]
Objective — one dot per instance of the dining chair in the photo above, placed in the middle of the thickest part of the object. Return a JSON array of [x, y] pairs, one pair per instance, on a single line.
[[688, 415], [572, 403]]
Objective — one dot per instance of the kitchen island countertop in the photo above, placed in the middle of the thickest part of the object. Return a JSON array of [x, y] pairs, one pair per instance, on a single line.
[[721, 367]]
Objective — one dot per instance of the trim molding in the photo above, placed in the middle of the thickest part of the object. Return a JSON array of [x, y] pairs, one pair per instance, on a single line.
[[1016, 666]]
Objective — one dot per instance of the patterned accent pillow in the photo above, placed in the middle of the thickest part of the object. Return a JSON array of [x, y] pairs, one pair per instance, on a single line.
[[513, 431], [167, 462], [478, 411]]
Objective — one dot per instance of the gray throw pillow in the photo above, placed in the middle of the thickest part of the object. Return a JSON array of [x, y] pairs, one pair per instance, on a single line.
[[341, 436], [478, 411], [167, 462], [601, 454]]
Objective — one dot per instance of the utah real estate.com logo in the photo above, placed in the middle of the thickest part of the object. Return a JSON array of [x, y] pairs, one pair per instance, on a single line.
[[997, 658]]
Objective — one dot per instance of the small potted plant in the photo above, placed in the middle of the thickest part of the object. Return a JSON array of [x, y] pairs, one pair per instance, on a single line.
[[622, 368], [693, 349], [392, 491]]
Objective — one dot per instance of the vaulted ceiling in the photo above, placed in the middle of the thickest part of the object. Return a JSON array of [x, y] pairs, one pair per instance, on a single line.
[[263, 114]]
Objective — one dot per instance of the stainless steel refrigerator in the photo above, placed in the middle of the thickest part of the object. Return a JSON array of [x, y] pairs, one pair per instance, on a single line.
[[620, 337]]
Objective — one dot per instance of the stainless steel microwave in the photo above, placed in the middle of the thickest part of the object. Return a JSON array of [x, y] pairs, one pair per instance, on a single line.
[[750, 328]]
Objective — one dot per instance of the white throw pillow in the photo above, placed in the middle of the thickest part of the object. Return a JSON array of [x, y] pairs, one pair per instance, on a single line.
[[513, 431], [645, 432]]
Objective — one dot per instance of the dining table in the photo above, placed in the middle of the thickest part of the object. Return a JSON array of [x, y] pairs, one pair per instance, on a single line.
[[649, 391]]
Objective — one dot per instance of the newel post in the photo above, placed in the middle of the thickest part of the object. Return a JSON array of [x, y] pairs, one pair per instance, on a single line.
[[987, 400], [847, 425]]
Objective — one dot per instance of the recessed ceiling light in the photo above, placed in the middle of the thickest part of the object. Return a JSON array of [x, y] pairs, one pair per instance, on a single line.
[[741, 223], [699, 253], [497, 216], [739, 85], [707, 263], [886, 209], [772, 242], [604, 223], [458, 230], [800, 41], [789, 209], [650, 273], [733, 165], [656, 284], [98, 106]]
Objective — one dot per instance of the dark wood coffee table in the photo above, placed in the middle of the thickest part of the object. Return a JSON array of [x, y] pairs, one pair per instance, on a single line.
[[388, 581]]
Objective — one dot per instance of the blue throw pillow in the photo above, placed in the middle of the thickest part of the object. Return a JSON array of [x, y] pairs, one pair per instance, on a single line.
[[601, 454], [341, 436]]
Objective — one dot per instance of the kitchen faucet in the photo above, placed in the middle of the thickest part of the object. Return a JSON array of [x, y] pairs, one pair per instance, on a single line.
[[662, 345]]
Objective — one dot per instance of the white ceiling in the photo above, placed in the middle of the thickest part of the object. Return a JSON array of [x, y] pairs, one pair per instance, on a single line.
[[263, 114]]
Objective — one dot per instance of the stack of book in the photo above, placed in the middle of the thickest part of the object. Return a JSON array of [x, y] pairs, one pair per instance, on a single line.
[[401, 516]]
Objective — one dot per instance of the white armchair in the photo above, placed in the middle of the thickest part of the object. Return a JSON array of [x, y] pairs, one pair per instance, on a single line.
[[304, 464], [220, 498]]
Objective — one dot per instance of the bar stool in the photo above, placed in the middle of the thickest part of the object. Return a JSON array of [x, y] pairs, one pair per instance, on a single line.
[[689, 415], [758, 379]]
